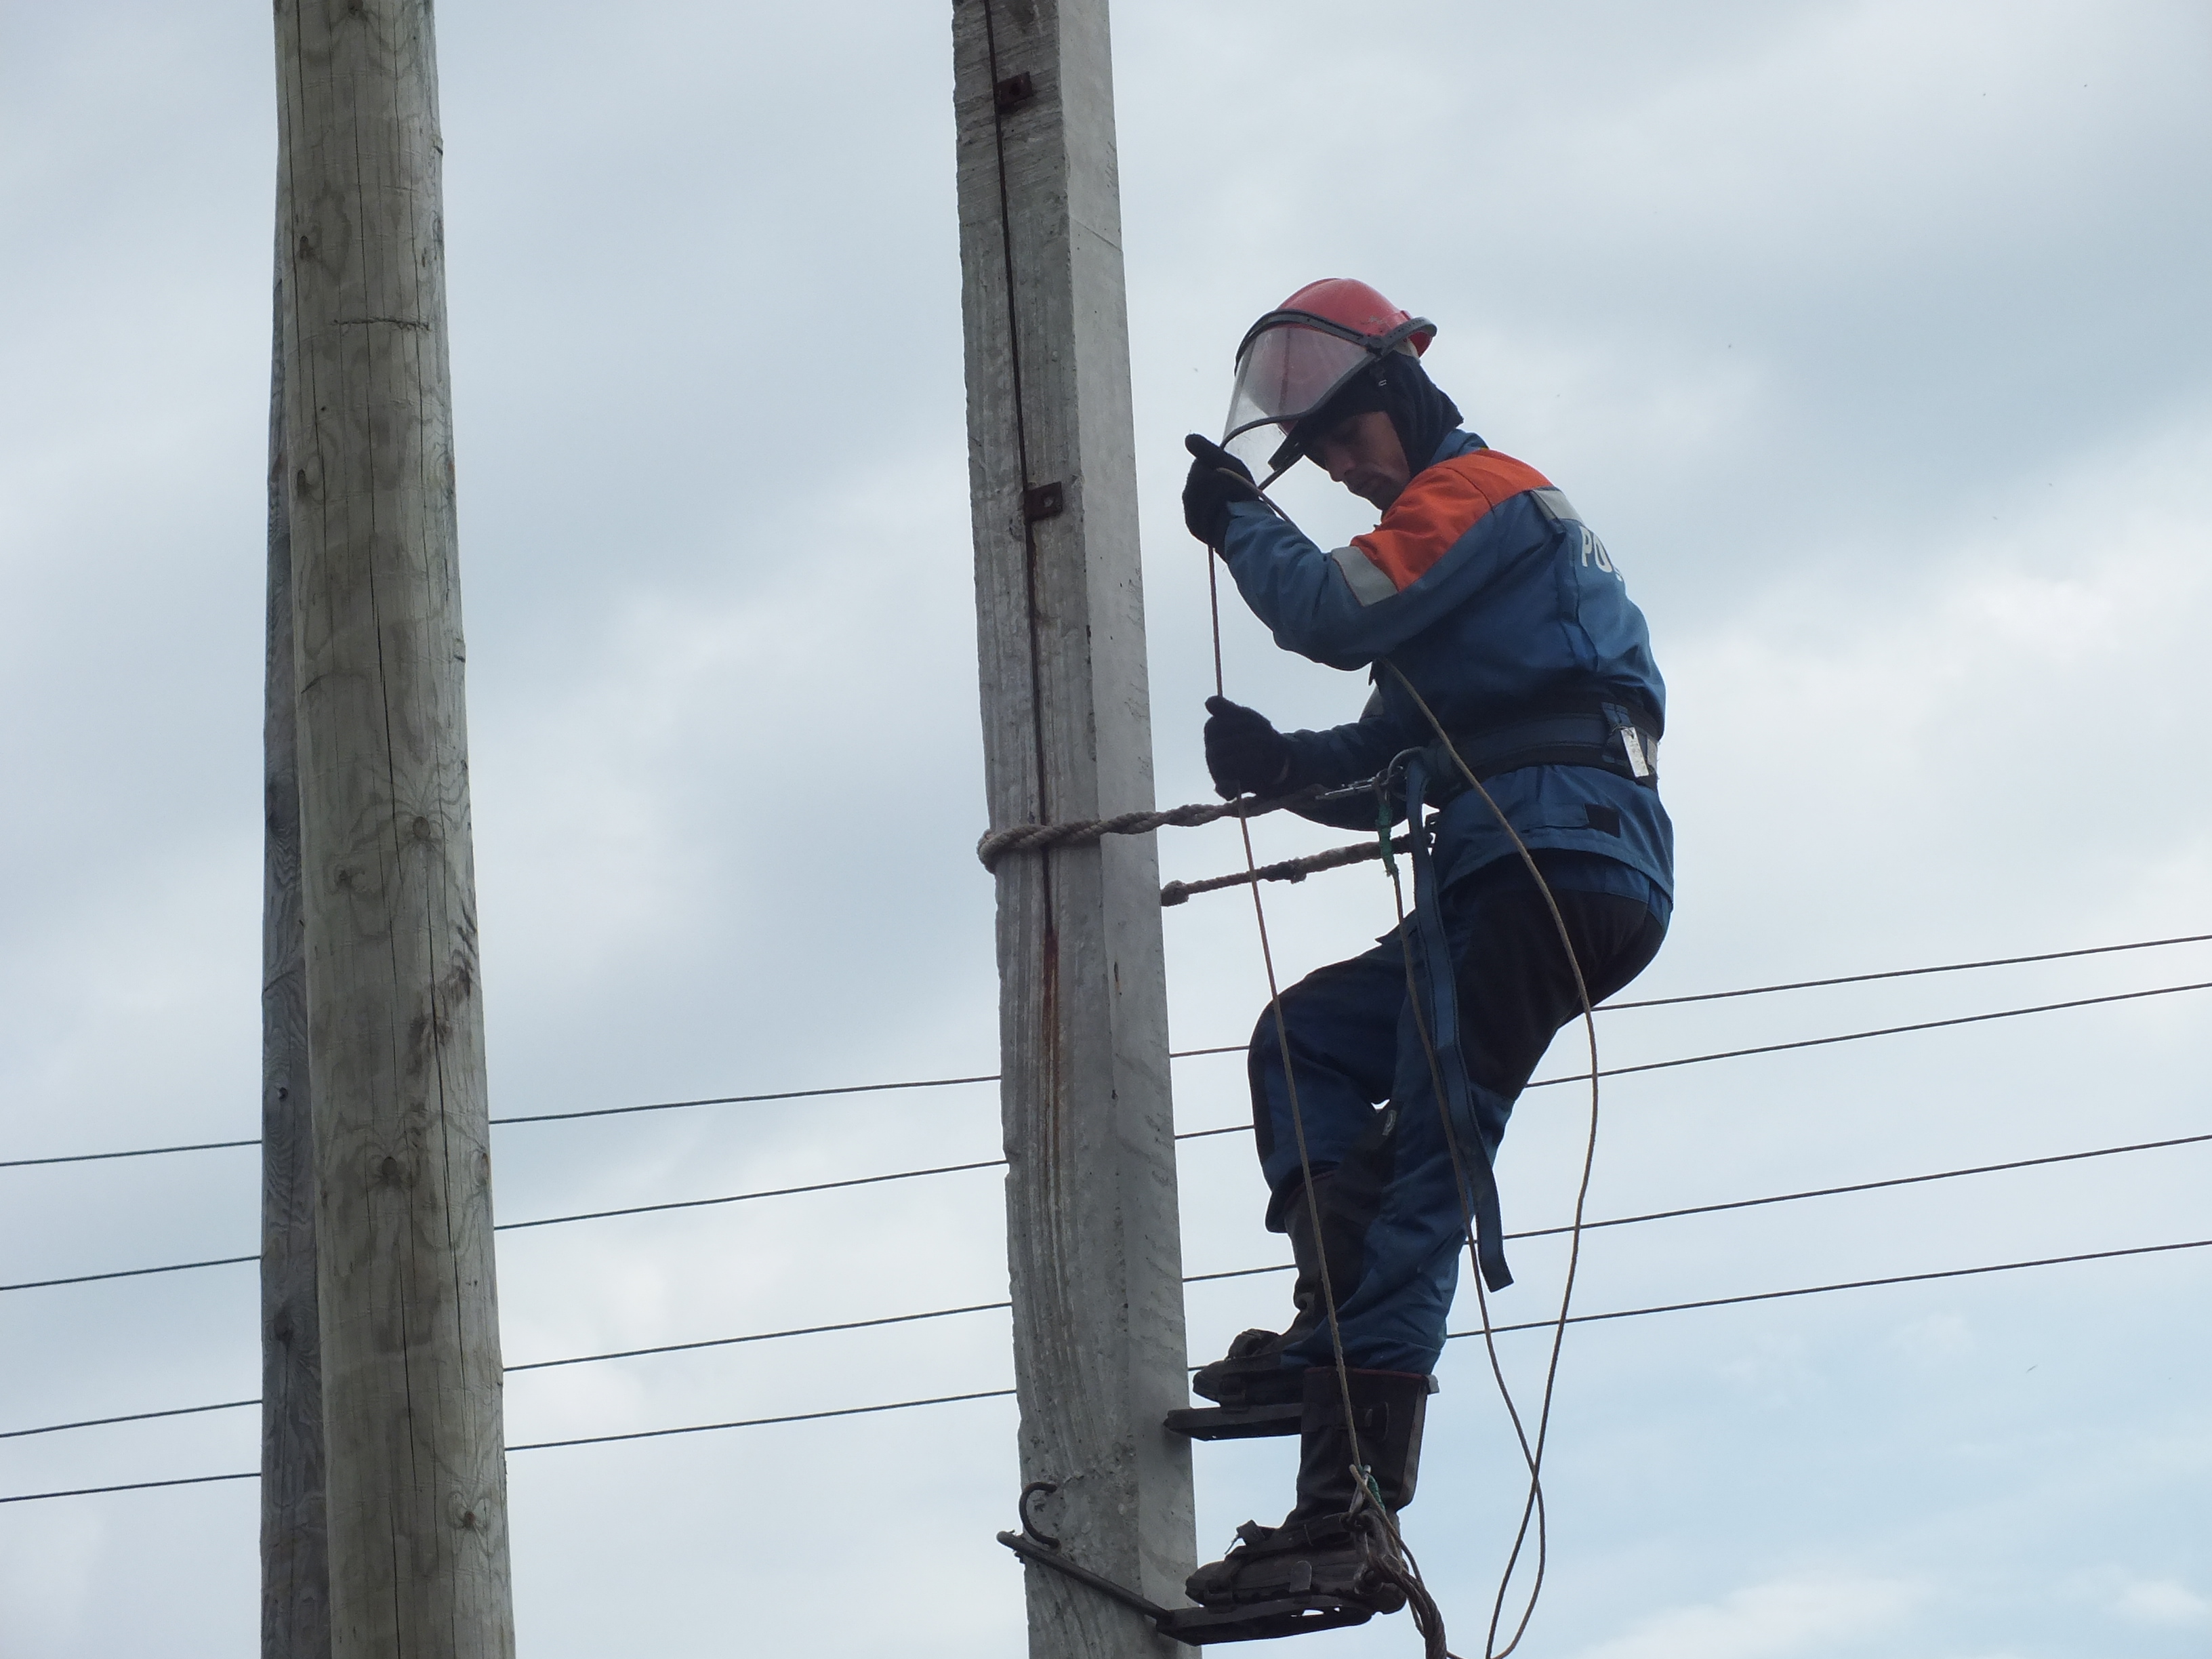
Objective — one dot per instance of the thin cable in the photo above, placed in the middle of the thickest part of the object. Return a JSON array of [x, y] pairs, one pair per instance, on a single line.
[[1538, 1083], [133, 1417], [133, 1485], [1724, 1205], [1467, 1231], [1250, 1273], [1289, 1074], [1851, 1285], [544, 1445], [135, 1151], [1533, 1508], [1179, 1053], [757, 1336], [1529, 1456], [1886, 1030], [1235, 1129], [763, 1422], [131, 1272], [771, 1192], [577, 1359], [1904, 973], [999, 1393]]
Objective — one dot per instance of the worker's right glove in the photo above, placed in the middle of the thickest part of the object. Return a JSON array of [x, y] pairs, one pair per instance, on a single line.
[[1217, 478], [1244, 751]]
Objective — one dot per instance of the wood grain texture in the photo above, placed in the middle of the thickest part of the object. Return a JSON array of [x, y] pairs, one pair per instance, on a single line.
[[1094, 1249], [409, 1317], [295, 1622]]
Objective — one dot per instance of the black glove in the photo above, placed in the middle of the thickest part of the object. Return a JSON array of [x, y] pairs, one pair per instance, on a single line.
[[1244, 751], [1217, 478]]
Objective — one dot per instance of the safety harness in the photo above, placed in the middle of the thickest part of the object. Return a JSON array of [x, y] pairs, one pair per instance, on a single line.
[[1615, 735]]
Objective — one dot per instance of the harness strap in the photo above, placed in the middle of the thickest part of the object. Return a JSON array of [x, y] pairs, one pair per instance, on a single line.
[[1431, 952], [1616, 737]]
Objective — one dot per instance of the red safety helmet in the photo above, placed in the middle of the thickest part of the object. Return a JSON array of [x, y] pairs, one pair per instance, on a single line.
[[1299, 356]]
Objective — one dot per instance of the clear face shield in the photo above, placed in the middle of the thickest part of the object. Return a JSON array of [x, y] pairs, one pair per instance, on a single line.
[[1290, 364]]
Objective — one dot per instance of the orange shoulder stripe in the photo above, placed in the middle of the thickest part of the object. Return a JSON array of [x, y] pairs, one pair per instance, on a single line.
[[1440, 506]]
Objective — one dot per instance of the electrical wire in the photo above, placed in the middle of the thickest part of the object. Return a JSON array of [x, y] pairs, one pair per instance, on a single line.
[[131, 1486], [1849, 1284], [545, 1445], [1000, 1394], [1247, 1273], [1903, 973], [131, 1272], [132, 1417], [762, 1336], [1179, 1053], [1311, 1199], [740, 1198], [1725, 1204], [763, 1422], [135, 1151], [1235, 1128], [1882, 1031]]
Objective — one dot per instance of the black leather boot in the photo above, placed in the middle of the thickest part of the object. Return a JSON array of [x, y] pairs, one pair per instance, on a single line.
[[1252, 1373], [1322, 1549]]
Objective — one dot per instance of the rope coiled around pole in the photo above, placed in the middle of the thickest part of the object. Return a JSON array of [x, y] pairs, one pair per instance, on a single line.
[[1041, 837]]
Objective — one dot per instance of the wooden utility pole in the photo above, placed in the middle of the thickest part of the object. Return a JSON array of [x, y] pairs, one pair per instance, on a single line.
[[296, 1583], [1092, 1242], [417, 1479]]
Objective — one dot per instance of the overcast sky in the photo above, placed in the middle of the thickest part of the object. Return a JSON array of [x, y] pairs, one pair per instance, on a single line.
[[1872, 337]]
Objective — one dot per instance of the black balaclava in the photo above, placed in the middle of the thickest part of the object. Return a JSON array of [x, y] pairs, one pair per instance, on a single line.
[[1395, 383]]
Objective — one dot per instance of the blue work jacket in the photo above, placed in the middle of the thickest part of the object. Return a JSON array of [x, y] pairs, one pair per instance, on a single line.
[[1484, 586]]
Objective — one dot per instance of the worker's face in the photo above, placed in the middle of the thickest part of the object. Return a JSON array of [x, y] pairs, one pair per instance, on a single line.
[[1363, 454]]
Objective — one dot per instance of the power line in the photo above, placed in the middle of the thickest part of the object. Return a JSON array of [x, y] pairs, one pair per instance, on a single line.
[[548, 1364], [131, 1272], [1242, 1272], [1886, 1030], [135, 1151], [757, 1336], [136, 1486], [1873, 1186], [133, 1417], [1540, 1083], [819, 1186], [1000, 1394], [747, 1100], [763, 1422], [1786, 1198], [1905, 973], [546, 1445], [740, 1198], [1847, 1284], [1180, 1054]]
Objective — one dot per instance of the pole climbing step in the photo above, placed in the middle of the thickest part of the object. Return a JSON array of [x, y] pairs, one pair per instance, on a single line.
[[1193, 1626]]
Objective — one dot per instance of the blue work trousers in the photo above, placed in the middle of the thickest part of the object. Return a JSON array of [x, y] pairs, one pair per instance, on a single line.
[[1392, 1225]]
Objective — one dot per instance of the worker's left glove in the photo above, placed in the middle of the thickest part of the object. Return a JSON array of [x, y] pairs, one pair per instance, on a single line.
[[1244, 751], [1217, 478]]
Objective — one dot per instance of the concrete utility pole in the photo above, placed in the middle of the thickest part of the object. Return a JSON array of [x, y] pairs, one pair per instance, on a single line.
[[408, 1318], [1093, 1239], [295, 1580]]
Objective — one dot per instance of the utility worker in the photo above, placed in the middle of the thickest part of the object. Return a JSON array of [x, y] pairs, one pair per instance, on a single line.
[[1483, 595]]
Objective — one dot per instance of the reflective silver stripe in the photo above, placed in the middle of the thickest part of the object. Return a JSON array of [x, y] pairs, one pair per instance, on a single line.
[[1361, 574], [1555, 505], [1637, 764]]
